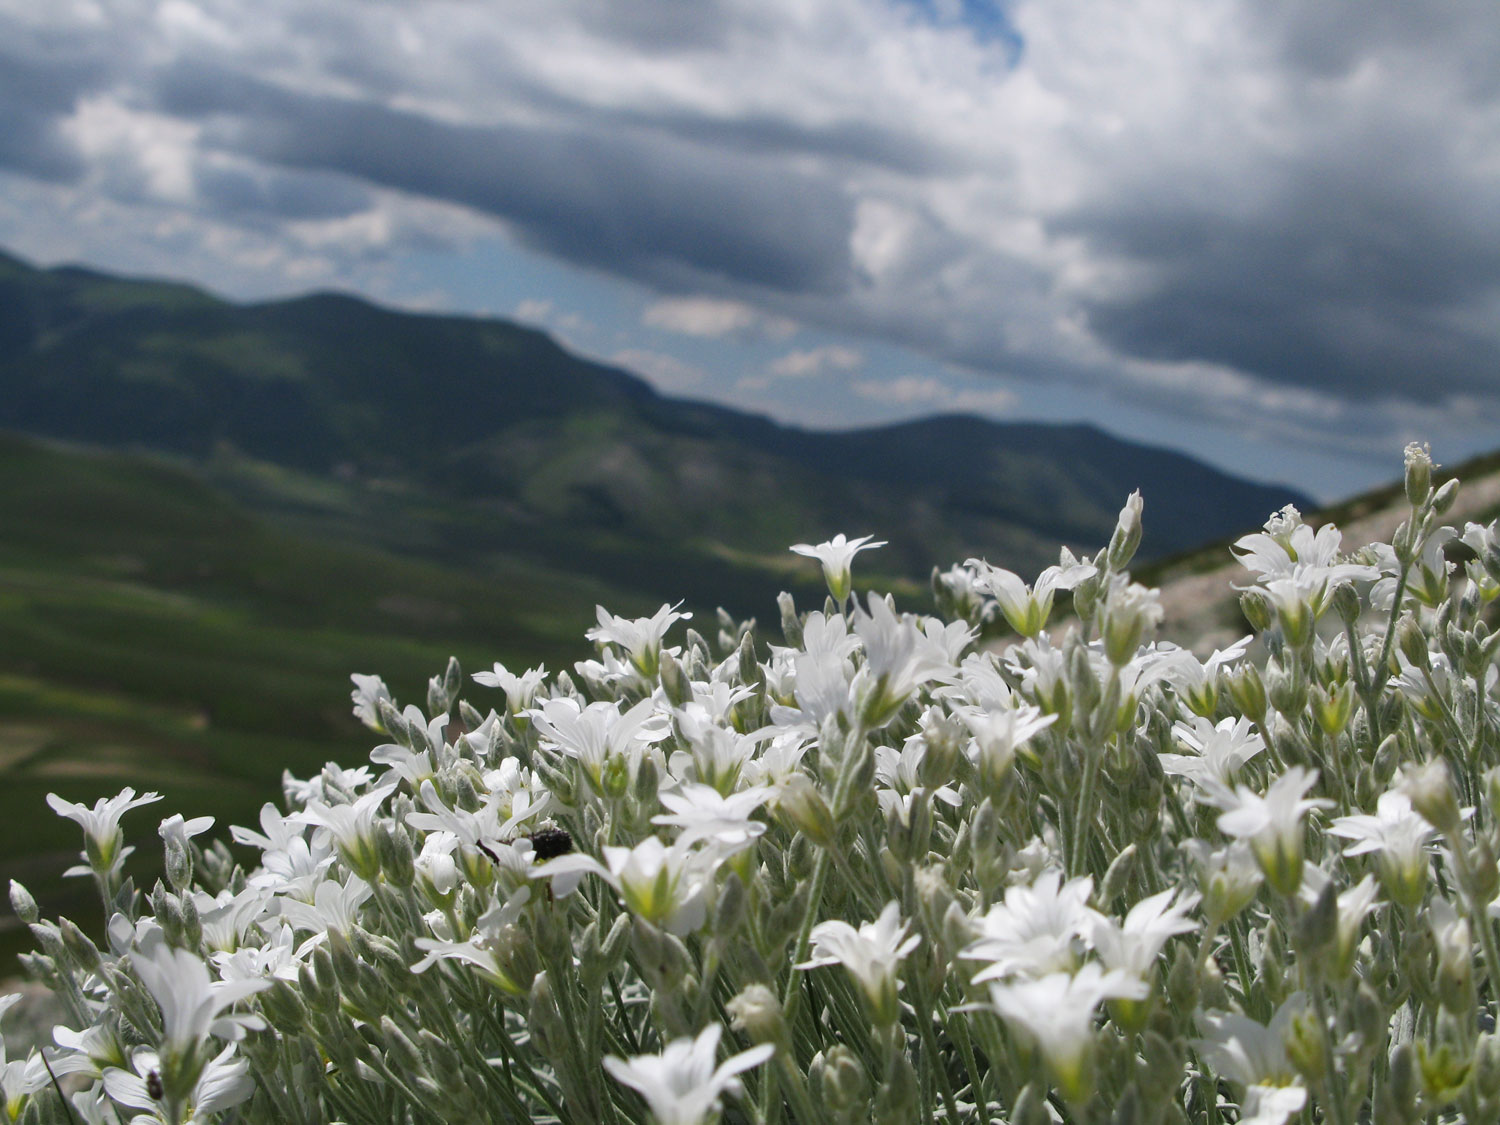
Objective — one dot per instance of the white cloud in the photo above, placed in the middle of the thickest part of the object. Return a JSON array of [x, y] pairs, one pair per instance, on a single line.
[[814, 361], [712, 318], [664, 372], [931, 393]]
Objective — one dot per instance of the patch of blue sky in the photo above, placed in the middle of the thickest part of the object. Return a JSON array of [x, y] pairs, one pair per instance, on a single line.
[[985, 19]]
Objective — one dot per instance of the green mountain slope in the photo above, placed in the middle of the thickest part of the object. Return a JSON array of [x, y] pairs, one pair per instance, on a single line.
[[562, 461]]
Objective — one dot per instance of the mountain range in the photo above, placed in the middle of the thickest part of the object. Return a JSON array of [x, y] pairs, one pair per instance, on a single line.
[[475, 441]]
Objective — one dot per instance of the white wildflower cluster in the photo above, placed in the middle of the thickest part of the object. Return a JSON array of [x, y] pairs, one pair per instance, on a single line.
[[884, 867]]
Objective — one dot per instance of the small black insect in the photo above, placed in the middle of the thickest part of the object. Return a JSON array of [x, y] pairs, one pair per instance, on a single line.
[[153, 1085], [546, 843], [549, 843]]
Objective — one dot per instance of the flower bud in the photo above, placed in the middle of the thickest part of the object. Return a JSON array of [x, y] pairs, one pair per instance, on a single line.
[[1430, 789], [1317, 928], [1117, 875], [1418, 479], [1444, 1072], [401, 1052], [1413, 643], [757, 1012], [896, 1100], [284, 1008], [1345, 602], [23, 904], [1127, 534], [791, 624], [545, 1022], [1256, 608], [674, 681], [393, 851], [1248, 691], [1333, 709], [84, 953], [803, 805], [1443, 499], [1306, 1048], [839, 1084], [1031, 1107]]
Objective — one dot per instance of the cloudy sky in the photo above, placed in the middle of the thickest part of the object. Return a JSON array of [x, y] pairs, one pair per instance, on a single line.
[[1263, 231]]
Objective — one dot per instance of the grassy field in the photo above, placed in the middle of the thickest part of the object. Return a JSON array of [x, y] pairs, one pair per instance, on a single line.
[[155, 634]]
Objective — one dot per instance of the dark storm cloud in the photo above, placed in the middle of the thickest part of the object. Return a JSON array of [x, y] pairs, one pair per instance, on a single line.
[[647, 206], [40, 83], [1370, 263], [231, 191]]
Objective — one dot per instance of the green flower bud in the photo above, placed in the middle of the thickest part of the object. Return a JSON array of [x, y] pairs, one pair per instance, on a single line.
[[791, 624], [83, 952], [394, 852], [1334, 709], [23, 904], [1443, 499], [1117, 876], [1444, 1072], [1418, 479], [1430, 789], [1405, 1082], [283, 1007], [1256, 608], [403, 1055], [896, 1100], [674, 681], [545, 1022], [1248, 692], [1305, 1046], [1317, 928], [757, 1012], [804, 807], [839, 1085]]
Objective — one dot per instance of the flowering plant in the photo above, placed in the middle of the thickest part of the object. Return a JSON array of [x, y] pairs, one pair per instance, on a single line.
[[879, 872]]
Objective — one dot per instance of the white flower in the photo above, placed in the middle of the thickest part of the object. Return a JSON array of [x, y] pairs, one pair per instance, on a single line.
[[352, 827], [498, 948], [367, 695], [1353, 904], [1036, 929], [223, 1082], [899, 657], [1273, 824], [1229, 877], [1057, 1011], [835, 554], [1254, 1056], [998, 735], [598, 734], [870, 953], [640, 638], [703, 813], [335, 906], [104, 849], [190, 999], [520, 691], [1027, 609], [667, 886], [1401, 836], [681, 1085], [1197, 682], [1219, 750], [1133, 945]]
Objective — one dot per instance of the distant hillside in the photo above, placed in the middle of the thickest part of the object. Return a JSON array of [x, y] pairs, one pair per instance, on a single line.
[[474, 440], [1197, 587]]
